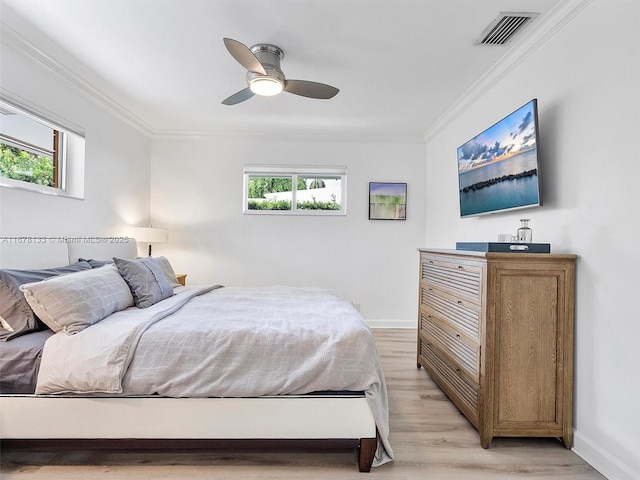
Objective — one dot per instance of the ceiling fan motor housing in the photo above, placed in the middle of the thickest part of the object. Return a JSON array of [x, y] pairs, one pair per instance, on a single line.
[[270, 57]]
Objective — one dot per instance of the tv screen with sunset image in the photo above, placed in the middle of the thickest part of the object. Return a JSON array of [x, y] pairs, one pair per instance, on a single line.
[[498, 169]]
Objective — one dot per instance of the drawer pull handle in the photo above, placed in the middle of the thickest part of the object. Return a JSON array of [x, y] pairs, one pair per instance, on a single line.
[[460, 267], [457, 335], [458, 371], [459, 302]]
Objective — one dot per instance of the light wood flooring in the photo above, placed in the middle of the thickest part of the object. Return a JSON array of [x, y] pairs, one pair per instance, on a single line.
[[430, 438]]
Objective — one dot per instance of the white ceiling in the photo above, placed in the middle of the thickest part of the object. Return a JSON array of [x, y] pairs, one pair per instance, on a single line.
[[400, 65]]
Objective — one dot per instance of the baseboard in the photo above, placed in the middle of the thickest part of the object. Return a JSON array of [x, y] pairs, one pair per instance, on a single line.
[[602, 460], [391, 323]]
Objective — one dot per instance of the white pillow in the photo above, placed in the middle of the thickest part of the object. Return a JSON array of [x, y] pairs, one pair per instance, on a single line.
[[76, 301]]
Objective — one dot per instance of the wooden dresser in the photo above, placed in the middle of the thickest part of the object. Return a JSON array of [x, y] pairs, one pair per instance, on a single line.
[[495, 332]]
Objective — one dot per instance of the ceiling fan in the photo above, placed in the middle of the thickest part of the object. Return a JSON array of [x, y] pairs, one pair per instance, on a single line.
[[264, 76]]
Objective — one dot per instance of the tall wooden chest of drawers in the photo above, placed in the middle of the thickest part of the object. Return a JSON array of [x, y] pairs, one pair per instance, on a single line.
[[495, 332]]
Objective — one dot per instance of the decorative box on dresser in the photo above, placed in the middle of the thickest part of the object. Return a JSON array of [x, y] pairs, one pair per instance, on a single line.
[[495, 332]]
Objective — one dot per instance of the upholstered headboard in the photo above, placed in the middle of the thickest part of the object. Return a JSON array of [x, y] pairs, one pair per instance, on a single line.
[[48, 252], [103, 248]]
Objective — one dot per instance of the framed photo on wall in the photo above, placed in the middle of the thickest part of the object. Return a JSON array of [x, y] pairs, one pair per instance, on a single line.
[[387, 201]]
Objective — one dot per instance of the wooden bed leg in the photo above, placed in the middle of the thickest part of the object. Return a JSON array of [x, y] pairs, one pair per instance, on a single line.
[[366, 452]]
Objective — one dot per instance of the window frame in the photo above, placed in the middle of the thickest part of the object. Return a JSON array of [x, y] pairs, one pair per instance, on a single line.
[[294, 172], [68, 155]]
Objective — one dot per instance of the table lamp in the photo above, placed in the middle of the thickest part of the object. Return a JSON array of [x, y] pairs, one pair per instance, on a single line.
[[150, 235]]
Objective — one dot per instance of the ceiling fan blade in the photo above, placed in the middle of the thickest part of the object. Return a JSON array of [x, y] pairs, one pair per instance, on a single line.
[[241, 96], [310, 89], [244, 56]]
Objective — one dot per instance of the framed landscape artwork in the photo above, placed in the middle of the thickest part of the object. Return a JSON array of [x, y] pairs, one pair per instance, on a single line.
[[387, 201]]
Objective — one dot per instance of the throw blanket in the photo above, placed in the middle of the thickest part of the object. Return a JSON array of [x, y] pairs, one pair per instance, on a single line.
[[224, 342]]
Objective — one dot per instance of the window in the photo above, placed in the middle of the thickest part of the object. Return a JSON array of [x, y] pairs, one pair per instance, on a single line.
[[38, 155], [291, 189]]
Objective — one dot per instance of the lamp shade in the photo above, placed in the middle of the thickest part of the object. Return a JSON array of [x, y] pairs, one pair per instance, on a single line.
[[150, 234]]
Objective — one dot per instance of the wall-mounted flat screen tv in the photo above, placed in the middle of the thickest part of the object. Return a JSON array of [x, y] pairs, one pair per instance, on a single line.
[[498, 169]]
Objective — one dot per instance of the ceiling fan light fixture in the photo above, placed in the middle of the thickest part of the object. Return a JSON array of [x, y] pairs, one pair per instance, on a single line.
[[265, 77], [266, 86]]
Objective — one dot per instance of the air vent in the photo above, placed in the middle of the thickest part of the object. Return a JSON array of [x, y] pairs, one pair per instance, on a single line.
[[502, 30]]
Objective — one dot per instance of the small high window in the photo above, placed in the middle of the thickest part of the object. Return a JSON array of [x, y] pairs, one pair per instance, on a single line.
[[291, 189], [36, 154]]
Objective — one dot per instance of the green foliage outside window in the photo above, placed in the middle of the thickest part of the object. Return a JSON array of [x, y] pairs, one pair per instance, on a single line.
[[269, 205], [314, 204], [19, 164], [260, 186], [286, 205]]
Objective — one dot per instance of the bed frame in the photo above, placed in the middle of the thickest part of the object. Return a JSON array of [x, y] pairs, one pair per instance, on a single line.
[[309, 422]]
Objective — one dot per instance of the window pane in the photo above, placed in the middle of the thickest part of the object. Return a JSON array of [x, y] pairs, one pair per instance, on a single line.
[[19, 164], [269, 193], [320, 193], [28, 148]]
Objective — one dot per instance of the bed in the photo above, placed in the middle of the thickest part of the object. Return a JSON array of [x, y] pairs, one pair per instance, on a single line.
[[199, 367]]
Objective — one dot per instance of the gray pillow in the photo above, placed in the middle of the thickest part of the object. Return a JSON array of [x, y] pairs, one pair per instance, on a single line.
[[168, 271], [72, 303], [146, 280], [17, 316]]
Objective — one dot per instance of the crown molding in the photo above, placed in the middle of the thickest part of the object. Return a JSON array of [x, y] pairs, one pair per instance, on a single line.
[[14, 40], [292, 136], [548, 26]]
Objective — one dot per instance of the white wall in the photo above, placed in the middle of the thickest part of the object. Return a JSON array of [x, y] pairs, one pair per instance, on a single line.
[[586, 79], [196, 192], [116, 163]]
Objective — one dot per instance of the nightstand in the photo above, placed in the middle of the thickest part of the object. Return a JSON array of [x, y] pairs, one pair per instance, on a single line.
[[182, 278]]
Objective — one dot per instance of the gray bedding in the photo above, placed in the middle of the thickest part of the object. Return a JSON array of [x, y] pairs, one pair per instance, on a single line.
[[20, 362], [226, 342]]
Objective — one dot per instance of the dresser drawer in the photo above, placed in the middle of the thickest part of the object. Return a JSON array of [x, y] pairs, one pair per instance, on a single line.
[[462, 278], [460, 389], [460, 349], [460, 313]]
